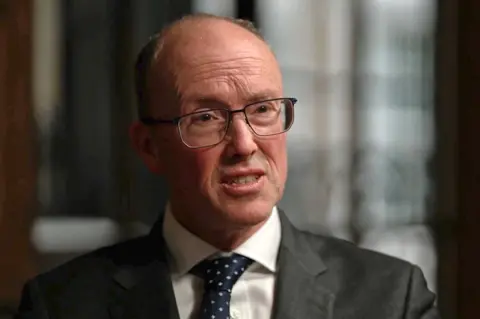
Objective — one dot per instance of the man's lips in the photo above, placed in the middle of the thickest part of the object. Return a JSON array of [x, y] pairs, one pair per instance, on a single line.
[[242, 185], [242, 176]]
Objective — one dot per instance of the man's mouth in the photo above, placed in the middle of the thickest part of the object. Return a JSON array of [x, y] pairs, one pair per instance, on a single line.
[[242, 179]]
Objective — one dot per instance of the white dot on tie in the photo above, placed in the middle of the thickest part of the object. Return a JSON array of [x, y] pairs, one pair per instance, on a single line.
[[235, 261], [236, 273], [210, 281], [220, 309], [218, 273], [213, 316], [220, 283], [213, 301], [208, 271], [226, 266], [228, 277], [220, 293], [243, 269], [216, 262]]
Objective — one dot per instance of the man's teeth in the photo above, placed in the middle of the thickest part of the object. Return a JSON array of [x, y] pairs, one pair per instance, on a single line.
[[243, 179]]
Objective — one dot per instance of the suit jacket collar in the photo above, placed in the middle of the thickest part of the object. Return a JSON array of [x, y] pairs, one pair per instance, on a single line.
[[144, 288], [301, 280]]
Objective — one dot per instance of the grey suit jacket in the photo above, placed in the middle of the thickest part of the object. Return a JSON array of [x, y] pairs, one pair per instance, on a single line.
[[319, 277]]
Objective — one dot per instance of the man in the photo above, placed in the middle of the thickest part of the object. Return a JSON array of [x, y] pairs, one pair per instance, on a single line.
[[213, 119]]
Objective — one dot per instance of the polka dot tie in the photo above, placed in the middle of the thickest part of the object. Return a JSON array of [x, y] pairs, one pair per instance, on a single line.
[[219, 276]]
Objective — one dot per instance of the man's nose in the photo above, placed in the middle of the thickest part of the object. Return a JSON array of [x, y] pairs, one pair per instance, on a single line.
[[240, 137]]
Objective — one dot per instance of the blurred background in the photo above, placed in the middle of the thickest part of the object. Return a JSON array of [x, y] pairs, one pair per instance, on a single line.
[[374, 154]]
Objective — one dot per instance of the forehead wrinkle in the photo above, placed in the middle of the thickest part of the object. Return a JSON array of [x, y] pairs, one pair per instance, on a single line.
[[227, 68], [188, 58], [237, 73], [220, 90], [238, 84]]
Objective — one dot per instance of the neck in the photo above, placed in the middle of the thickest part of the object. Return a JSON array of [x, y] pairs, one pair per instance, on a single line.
[[224, 239], [223, 236]]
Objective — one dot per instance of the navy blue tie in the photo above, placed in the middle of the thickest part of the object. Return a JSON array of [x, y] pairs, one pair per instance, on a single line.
[[219, 276]]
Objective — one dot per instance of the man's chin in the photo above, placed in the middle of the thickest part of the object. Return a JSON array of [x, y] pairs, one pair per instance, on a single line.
[[247, 213]]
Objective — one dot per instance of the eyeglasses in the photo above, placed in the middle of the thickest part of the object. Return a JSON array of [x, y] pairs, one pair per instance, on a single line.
[[209, 127]]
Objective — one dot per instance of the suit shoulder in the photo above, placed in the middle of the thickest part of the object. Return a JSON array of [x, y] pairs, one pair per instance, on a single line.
[[339, 251], [99, 261]]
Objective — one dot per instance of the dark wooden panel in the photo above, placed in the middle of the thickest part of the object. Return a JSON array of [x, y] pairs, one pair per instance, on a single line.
[[444, 164], [17, 155], [469, 158]]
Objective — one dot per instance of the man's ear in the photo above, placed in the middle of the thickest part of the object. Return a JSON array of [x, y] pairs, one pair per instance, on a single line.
[[146, 147]]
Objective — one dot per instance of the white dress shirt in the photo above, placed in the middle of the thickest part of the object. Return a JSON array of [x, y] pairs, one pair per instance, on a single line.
[[252, 294]]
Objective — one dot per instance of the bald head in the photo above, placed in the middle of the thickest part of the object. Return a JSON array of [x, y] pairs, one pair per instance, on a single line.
[[180, 44], [195, 71]]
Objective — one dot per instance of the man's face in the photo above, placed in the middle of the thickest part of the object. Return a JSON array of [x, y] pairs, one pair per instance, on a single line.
[[238, 181]]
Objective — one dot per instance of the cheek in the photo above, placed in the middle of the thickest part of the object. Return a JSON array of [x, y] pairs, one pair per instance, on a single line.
[[282, 165], [196, 168], [276, 153], [206, 163]]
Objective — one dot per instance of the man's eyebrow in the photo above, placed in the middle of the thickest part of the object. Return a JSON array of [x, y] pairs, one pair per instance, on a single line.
[[204, 101], [262, 96], [257, 97], [210, 100]]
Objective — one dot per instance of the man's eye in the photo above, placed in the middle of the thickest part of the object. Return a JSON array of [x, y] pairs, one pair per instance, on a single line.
[[205, 117], [266, 109], [263, 108]]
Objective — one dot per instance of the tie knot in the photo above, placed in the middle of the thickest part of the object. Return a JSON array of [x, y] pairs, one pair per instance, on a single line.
[[222, 273]]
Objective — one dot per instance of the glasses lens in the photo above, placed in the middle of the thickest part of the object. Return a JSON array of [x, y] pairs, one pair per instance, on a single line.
[[270, 117], [203, 128]]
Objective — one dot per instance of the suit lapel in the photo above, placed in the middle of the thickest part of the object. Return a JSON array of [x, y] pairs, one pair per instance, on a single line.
[[144, 289], [300, 290]]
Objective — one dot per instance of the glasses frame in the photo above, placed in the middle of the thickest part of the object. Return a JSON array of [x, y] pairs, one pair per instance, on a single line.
[[176, 120]]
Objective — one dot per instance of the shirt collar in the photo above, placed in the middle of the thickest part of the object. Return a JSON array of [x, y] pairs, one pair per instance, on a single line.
[[186, 249]]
